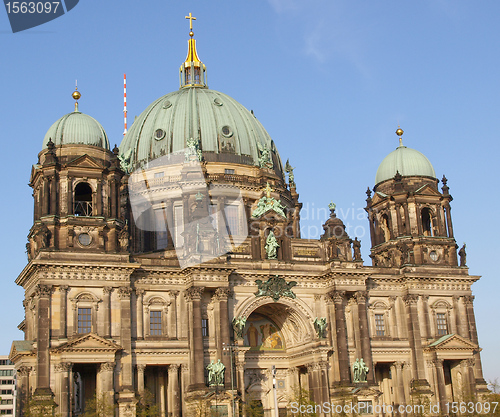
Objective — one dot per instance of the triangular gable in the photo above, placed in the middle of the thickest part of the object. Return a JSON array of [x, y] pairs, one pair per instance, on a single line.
[[427, 189], [377, 197], [85, 161], [452, 342], [87, 343], [21, 348]]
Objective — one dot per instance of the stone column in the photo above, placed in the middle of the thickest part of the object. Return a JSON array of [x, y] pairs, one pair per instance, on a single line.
[[173, 391], [125, 338], [334, 370], [63, 371], [448, 219], [63, 311], [46, 196], [98, 199], [438, 363], [196, 353], [162, 389], [184, 386], [397, 382], [106, 377], [361, 297], [69, 195], [107, 311], [172, 311], [459, 321], [468, 366], [221, 295], [140, 378], [23, 386], [424, 313], [338, 299], [43, 293], [471, 321], [414, 337], [139, 310], [53, 194], [393, 317]]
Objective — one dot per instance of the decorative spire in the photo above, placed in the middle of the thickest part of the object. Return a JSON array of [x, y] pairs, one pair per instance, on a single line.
[[192, 71], [76, 95], [400, 132]]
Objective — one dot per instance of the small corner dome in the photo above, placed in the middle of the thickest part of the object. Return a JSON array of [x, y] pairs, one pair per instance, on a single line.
[[408, 162], [77, 129]]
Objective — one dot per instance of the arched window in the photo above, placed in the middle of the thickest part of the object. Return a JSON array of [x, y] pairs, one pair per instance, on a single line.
[[427, 226], [83, 200], [385, 228]]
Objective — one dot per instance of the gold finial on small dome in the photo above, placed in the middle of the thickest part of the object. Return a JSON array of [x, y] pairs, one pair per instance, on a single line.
[[76, 95], [400, 132]]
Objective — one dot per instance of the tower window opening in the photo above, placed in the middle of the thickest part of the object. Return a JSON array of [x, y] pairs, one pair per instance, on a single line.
[[197, 75], [204, 327], [427, 226], [83, 200], [187, 73], [385, 228]]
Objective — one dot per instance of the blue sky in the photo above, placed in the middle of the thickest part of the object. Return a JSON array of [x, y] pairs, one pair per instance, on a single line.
[[330, 81]]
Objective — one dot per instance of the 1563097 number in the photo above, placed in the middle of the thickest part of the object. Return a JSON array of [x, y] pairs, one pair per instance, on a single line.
[[31, 7]]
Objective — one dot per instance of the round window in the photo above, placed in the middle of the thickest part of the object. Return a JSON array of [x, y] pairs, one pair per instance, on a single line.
[[159, 134], [85, 239], [167, 104], [217, 102], [434, 255], [226, 131]]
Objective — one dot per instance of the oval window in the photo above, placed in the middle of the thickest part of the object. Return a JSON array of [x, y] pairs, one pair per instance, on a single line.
[[226, 131], [434, 255], [217, 102], [85, 239], [167, 104], [159, 134]]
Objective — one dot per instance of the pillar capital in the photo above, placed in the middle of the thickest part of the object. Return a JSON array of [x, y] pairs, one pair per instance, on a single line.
[[222, 294], [194, 293], [64, 367]]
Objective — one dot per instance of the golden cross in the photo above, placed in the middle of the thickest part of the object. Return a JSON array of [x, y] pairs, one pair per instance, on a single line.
[[268, 190], [191, 18]]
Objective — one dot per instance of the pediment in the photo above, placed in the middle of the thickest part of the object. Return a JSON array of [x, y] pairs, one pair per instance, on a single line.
[[452, 342], [21, 348], [88, 343], [378, 197], [85, 161], [427, 189]]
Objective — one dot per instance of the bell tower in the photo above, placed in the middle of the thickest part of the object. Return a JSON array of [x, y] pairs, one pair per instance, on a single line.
[[410, 219], [76, 188]]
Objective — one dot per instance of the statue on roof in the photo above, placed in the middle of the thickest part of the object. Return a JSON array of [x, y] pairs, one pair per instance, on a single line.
[[463, 256], [193, 151], [291, 177], [356, 246], [265, 157]]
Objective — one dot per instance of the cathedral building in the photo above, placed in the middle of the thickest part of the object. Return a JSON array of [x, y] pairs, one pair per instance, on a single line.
[[172, 269]]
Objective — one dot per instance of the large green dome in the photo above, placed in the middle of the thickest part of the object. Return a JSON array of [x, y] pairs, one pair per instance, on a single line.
[[406, 161], [77, 129], [225, 129]]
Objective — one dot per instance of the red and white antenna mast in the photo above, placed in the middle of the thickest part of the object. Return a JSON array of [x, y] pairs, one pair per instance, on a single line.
[[125, 103]]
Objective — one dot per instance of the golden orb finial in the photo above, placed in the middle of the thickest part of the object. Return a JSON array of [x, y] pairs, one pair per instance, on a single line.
[[400, 132], [76, 96]]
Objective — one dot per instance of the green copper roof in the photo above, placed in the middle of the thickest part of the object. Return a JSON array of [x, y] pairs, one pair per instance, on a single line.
[[217, 121], [77, 128], [408, 162]]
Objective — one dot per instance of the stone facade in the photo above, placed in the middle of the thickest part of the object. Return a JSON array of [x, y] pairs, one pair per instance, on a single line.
[[119, 310]]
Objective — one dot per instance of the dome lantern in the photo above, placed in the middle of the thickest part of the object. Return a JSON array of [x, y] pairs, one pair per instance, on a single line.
[[192, 72]]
